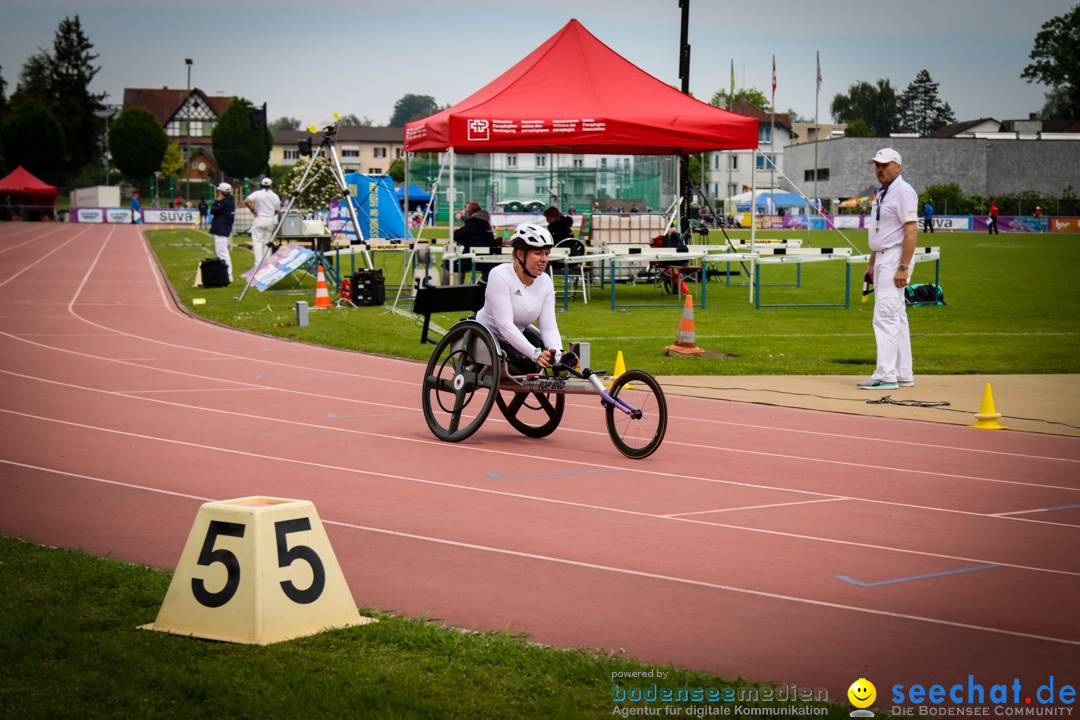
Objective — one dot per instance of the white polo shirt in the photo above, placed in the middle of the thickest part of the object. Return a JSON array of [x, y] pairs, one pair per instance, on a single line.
[[267, 203], [890, 213]]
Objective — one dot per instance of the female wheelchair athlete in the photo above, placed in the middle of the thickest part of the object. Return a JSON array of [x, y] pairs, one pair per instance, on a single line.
[[469, 372]]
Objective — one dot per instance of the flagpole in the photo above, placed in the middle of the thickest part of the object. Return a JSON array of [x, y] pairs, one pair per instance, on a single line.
[[817, 131], [730, 106], [772, 137]]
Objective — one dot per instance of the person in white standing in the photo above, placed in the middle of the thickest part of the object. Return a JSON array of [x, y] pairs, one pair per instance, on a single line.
[[893, 226], [265, 204]]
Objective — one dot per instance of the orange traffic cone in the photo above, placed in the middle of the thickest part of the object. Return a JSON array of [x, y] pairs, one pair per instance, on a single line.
[[987, 417], [685, 341], [322, 293]]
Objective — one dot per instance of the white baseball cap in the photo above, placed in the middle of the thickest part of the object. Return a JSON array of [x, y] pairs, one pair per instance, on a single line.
[[885, 155], [266, 182], [225, 188]]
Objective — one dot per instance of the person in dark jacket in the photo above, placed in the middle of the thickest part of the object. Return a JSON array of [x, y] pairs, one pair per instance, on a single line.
[[223, 212], [476, 232], [558, 224]]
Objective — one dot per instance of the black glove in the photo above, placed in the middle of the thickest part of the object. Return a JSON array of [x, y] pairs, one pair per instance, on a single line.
[[569, 359]]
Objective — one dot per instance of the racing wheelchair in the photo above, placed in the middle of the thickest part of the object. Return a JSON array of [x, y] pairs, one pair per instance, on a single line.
[[469, 372]]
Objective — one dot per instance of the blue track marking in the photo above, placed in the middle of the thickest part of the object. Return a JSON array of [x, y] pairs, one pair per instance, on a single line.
[[497, 476], [1061, 507], [860, 583]]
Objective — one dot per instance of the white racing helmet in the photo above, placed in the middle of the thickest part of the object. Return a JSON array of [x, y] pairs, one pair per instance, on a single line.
[[529, 235], [266, 182]]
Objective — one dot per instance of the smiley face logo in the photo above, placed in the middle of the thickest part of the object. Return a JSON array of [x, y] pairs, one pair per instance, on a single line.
[[862, 693]]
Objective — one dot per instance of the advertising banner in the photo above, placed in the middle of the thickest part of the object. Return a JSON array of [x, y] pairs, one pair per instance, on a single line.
[[288, 257], [89, 215], [118, 215], [178, 216]]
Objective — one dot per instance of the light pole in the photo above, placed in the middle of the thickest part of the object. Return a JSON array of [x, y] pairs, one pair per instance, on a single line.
[[187, 147]]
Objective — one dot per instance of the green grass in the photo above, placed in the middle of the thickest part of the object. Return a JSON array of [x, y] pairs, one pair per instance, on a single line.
[[1011, 309], [72, 649]]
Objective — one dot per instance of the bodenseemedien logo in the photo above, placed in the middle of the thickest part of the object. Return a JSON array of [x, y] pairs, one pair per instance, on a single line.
[[862, 695]]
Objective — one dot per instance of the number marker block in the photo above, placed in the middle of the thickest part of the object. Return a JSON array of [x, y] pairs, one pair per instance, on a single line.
[[257, 570]]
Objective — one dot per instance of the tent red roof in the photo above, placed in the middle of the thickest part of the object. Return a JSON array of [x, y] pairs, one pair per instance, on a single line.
[[21, 182], [575, 94]]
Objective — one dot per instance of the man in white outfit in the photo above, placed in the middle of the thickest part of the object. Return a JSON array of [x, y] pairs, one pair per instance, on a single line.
[[893, 223], [265, 204]]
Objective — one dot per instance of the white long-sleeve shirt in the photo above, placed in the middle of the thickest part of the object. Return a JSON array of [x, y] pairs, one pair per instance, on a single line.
[[510, 305]]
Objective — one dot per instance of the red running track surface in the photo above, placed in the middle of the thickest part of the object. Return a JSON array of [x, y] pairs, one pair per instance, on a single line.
[[724, 551]]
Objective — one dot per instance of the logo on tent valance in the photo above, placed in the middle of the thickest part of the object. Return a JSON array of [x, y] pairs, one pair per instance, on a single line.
[[479, 130]]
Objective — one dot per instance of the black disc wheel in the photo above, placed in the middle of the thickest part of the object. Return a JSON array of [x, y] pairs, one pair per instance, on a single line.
[[461, 382], [532, 414], [638, 434]]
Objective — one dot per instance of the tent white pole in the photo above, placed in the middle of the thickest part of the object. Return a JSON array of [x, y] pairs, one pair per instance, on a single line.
[[753, 213], [450, 197]]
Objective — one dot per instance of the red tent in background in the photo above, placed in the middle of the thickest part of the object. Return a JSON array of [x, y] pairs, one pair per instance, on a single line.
[[574, 94], [26, 196]]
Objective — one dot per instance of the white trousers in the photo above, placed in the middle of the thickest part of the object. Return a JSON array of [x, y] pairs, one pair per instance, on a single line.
[[262, 231], [221, 249], [890, 320]]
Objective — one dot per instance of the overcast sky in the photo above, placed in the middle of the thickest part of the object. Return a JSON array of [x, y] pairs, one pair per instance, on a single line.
[[309, 58]]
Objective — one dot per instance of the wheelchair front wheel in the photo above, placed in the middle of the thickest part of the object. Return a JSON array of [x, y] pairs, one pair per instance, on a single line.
[[461, 382], [637, 435]]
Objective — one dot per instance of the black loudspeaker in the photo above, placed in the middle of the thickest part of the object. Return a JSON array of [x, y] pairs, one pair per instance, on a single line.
[[369, 287], [215, 273]]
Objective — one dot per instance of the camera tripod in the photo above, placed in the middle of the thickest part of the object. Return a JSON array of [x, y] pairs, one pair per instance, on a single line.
[[326, 147]]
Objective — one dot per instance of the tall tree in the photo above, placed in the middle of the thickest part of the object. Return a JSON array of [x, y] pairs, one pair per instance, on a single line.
[[921, 110], [77, 109], [32, 137], [1056, 63], [285, 123], [352, 120], [172, 161], [412, 107], [137, 142], [35, 79], [3, 93], [753, 95], [875, 104], [241, 149]]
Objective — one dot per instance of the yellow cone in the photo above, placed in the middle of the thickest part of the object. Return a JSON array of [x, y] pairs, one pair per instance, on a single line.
[[620, 368], [987, 417]]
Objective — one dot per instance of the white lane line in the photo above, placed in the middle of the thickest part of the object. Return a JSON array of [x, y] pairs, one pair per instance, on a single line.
[[609, 568], [535, 498], [491, 451], [755, 507]]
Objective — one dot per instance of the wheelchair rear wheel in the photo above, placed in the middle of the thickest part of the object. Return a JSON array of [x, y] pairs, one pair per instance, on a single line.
[[461, 382]]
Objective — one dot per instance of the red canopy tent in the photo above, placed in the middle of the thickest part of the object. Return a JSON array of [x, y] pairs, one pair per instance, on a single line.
[[575, 94], [25, 195]]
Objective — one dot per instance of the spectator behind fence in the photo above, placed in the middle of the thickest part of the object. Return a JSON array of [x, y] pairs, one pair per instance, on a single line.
[[476, 232], [558, 224]]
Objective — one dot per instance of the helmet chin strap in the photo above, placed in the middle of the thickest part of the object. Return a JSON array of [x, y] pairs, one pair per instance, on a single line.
[[521, 262]]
